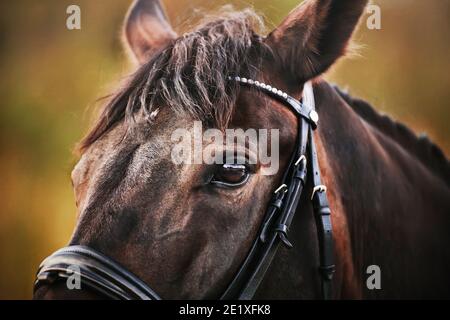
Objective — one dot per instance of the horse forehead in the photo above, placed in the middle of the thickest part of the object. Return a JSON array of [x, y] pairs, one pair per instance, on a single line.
[[143, 140], [257, 111]]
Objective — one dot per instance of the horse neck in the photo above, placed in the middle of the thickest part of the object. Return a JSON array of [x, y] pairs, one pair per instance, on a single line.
[[383, 200]]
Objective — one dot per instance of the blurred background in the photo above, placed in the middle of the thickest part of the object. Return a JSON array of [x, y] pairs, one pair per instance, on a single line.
[[50, 76]]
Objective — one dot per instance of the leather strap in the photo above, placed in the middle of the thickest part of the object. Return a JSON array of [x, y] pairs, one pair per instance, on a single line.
[[275, 226], [322, 215], [98, 272], [322, 212]]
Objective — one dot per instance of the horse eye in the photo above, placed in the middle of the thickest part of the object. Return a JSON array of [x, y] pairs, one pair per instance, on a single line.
[[230, 175]]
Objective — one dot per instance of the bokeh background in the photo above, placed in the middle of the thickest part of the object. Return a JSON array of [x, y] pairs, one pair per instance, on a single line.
[[50, 76]]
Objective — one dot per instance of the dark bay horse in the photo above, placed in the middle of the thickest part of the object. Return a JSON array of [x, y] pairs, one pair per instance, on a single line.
[[187, 237]]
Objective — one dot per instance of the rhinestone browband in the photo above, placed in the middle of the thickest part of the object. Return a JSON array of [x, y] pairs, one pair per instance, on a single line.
[[308, 113]]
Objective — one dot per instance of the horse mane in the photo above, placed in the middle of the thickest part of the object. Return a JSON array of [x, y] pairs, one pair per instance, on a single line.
[[190, 75], [419, 146]]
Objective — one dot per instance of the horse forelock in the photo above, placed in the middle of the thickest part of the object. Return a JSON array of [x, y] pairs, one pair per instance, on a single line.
[[190, 75]]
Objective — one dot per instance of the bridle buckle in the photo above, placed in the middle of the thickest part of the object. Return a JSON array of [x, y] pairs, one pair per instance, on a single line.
[[283, 188], [302, 158], [320, 188]]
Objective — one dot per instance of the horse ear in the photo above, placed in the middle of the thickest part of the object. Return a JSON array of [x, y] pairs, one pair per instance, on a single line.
[[313, 36], [147, 29]]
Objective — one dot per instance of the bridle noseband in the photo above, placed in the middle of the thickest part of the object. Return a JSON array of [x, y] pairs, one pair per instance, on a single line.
[[98, 272], [105, 276]]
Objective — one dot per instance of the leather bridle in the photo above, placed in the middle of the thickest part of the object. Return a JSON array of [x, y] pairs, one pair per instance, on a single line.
[[111, 280]]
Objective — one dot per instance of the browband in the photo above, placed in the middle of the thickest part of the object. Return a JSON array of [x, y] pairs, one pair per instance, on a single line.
[[304, 110]]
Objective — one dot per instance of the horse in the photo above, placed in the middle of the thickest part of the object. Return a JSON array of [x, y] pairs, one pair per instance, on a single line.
[[186, 237]]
